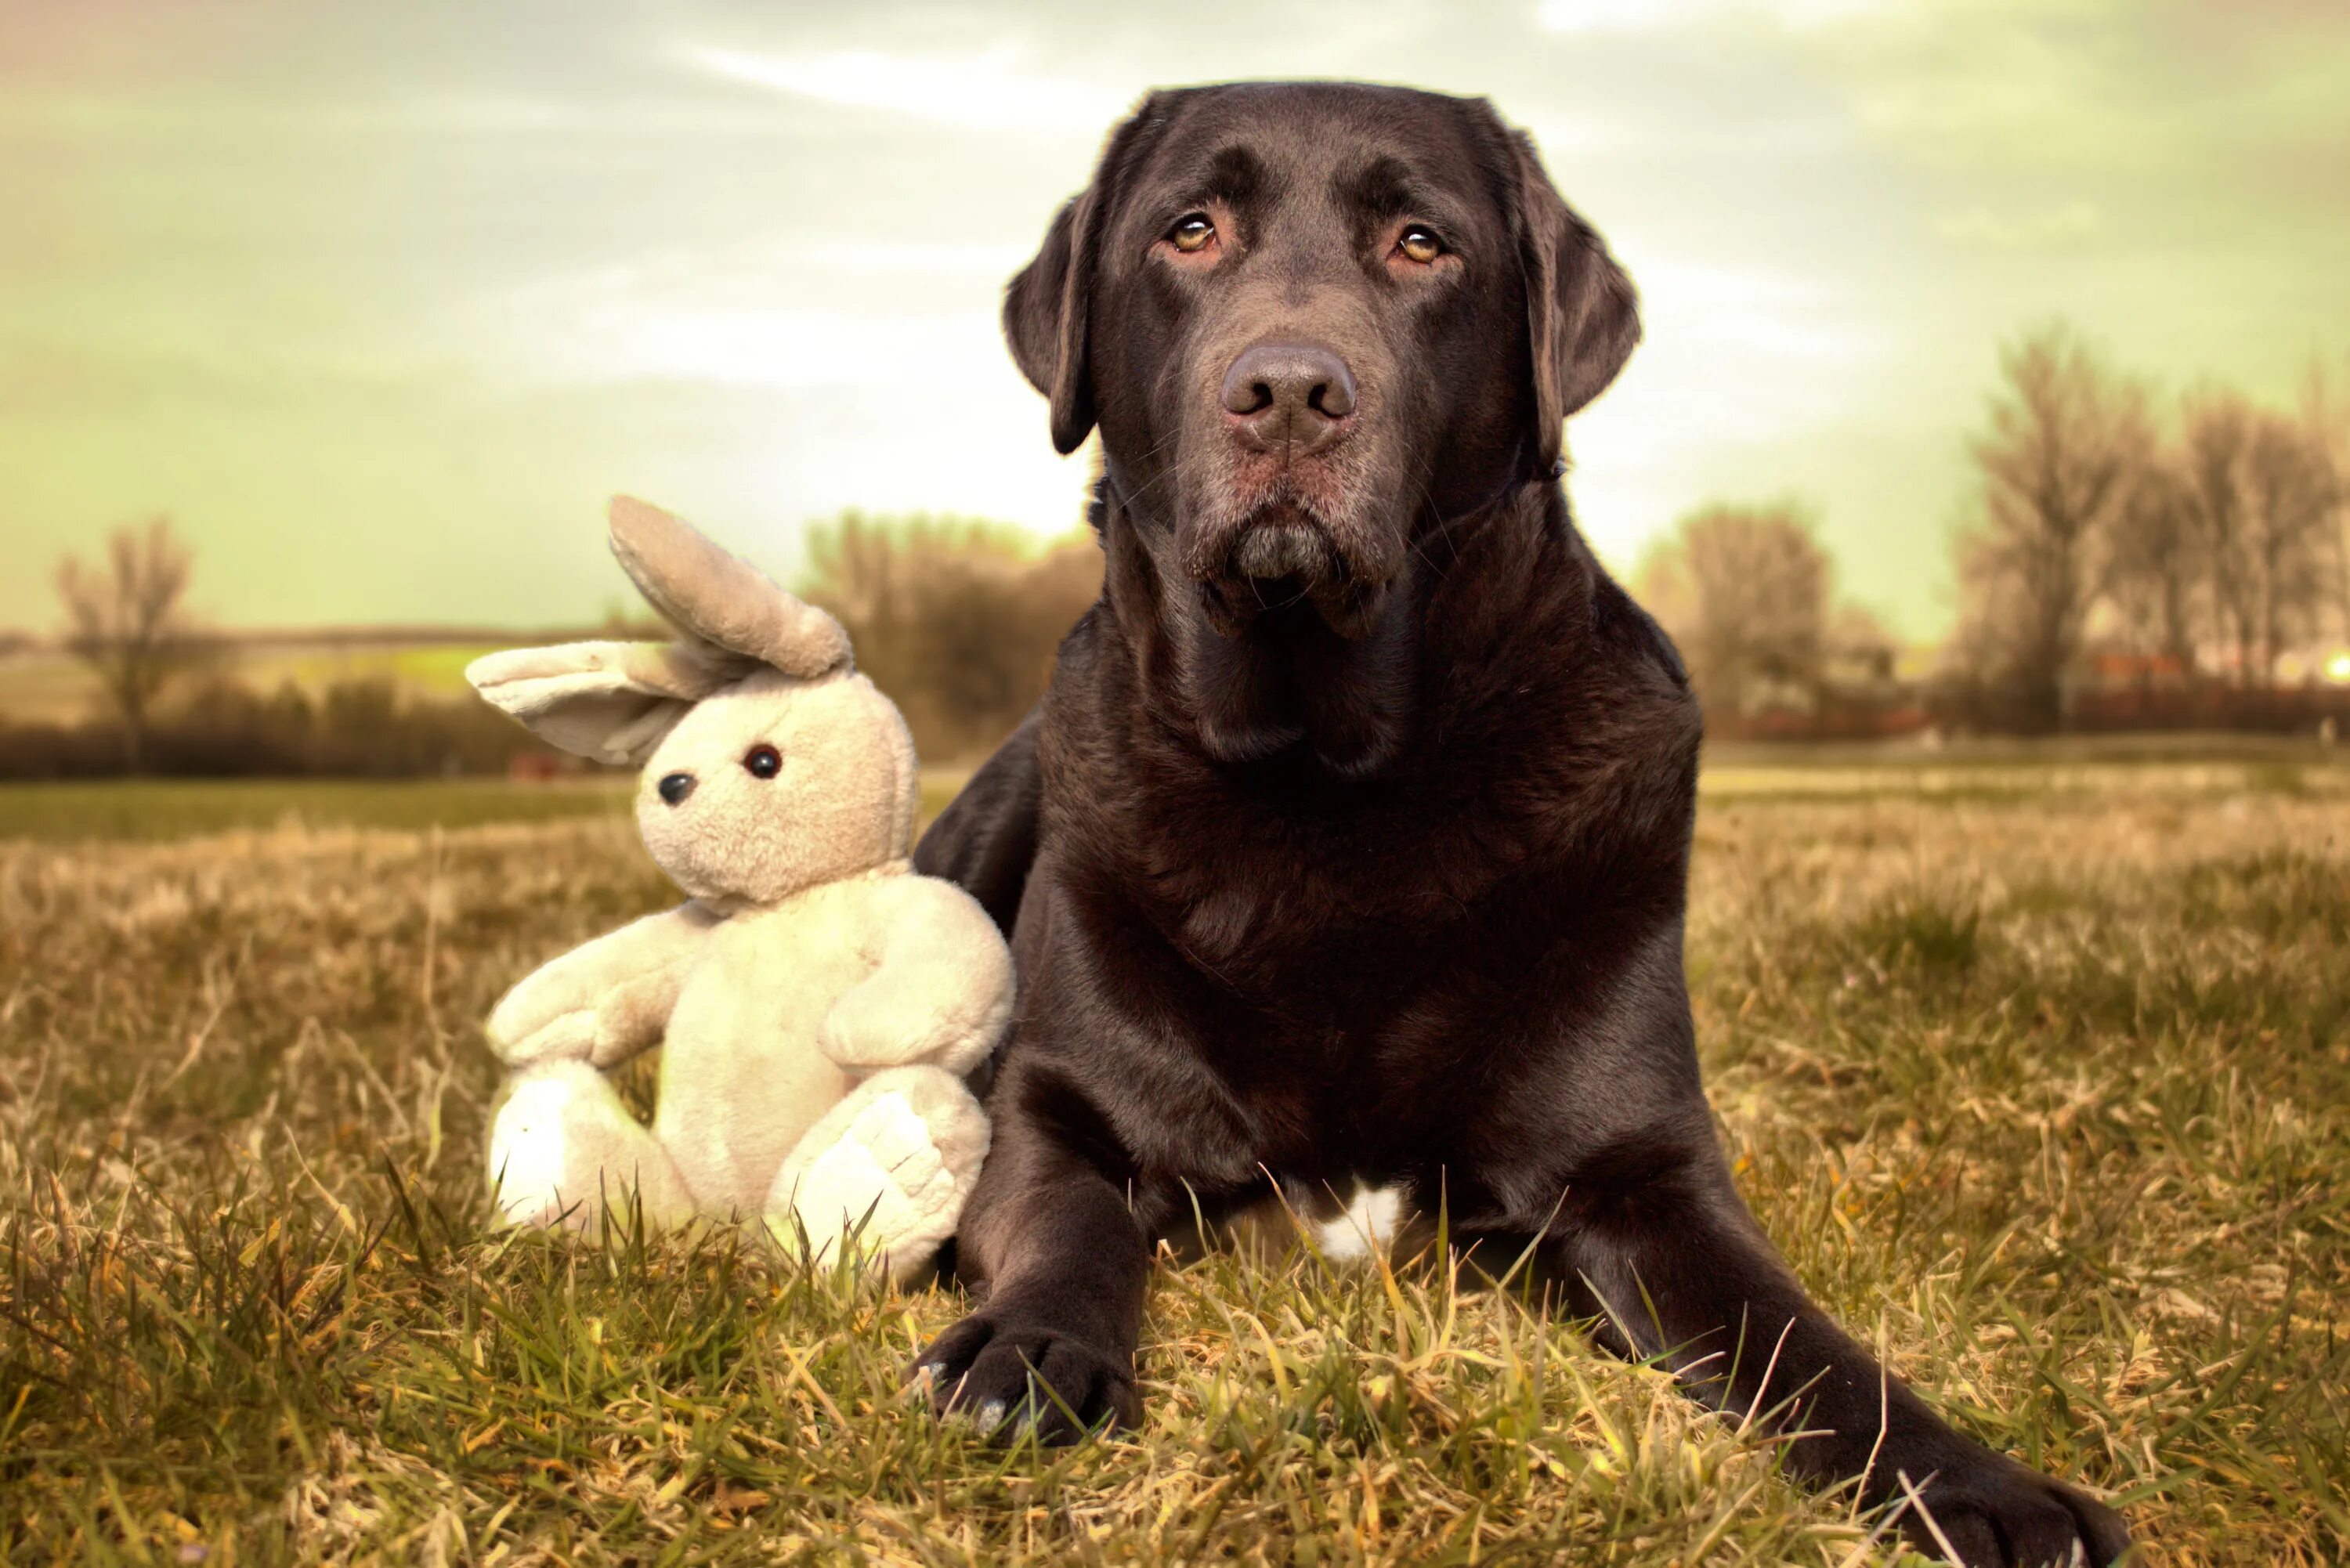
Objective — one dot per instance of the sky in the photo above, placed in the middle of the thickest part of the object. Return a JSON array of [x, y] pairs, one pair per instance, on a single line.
[[379, 300]]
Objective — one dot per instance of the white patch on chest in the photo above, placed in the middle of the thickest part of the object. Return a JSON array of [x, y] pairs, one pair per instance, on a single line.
[[1370, 1221]]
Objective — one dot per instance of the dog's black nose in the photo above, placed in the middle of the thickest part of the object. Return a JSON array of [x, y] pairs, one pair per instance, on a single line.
[[1289, 395], [675, 788]]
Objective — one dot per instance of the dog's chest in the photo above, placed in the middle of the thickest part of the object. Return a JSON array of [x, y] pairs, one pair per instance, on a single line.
[[1355, 973], [1327, 1102], [1336, 948], [1282, 904]]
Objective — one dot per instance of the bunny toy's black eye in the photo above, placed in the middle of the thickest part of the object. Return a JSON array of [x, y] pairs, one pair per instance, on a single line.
[[762, 761]]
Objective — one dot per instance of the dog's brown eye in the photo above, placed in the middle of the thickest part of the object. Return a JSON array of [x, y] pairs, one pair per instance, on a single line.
[[1193, 234], [1420, 245], [762, 761]]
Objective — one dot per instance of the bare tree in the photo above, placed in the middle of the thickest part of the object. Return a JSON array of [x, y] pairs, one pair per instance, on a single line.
[[1744, 591], [2067, 436], [127, 620], [2290, 484], [2325, 416], [2155, 566], [1859, 641], [2262, 497], [2215, 442], [957, 621]]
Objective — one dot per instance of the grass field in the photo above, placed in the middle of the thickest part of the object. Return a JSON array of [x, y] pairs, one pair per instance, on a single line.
[[77, 810], [153, 810], [2040, 1077]]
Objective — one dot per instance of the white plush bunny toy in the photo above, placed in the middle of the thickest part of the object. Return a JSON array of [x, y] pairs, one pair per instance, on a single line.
[[816, 1001]]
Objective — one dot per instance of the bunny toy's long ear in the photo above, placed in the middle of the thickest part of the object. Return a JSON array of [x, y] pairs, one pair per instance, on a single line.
[[710, 595], [612, 702]]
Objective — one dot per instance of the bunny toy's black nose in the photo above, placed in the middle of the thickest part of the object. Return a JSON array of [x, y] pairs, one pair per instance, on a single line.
[[675, 788]]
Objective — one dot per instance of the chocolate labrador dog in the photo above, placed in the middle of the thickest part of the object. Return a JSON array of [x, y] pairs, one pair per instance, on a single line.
[[1350, 843]]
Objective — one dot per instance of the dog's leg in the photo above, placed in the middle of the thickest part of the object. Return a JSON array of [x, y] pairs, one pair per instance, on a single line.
[[1062, 1262], [986, 840], [1675, 1268]]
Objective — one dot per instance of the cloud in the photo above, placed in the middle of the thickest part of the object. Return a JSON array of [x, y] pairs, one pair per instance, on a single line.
[[1660, 16], [1780, 321], [792, 349], [752, 271], [985, 92], [2161, 93], [777, 310], [758, 317], [2047, 229], [940, 258]]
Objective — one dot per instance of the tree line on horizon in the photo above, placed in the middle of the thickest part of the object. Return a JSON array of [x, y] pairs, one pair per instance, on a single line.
[[2199, 544], [2206, 538], [958, 620], [2198, 540]]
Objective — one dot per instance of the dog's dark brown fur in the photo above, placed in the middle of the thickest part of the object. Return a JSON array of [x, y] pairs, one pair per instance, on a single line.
[[1351, 841]]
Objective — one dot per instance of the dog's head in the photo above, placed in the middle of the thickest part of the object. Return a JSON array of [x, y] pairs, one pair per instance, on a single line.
[[1311, 320]]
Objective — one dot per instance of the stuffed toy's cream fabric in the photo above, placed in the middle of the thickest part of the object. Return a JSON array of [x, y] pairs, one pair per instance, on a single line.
[[816, 1001]]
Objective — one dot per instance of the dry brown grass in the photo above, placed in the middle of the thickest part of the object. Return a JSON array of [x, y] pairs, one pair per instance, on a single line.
[[2043, 1090]]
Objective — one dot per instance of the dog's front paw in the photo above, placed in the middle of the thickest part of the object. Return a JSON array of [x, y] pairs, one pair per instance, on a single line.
[[1996, 1514], [1008, 1375]]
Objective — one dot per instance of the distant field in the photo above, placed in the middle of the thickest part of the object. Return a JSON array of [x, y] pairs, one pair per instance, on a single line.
[[52, 688], [2046, 1091], [183, 808], [159, 809], [153, 809], [2286, 771]]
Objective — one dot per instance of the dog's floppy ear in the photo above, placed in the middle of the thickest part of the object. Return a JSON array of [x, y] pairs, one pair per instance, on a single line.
[[1045, 304], [726, 603], [612, 702], [1583, 317]]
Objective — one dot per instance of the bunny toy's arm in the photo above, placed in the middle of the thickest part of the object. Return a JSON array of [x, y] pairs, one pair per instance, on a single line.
[[940, 991], [606, 1000]]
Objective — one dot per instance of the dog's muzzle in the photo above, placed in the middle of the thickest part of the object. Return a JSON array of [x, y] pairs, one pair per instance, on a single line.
[[1268, 552], [1284, 565]]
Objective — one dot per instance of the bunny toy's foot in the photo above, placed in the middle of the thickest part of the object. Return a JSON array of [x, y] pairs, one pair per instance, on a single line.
[[888, 1167], [563, 1148]]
